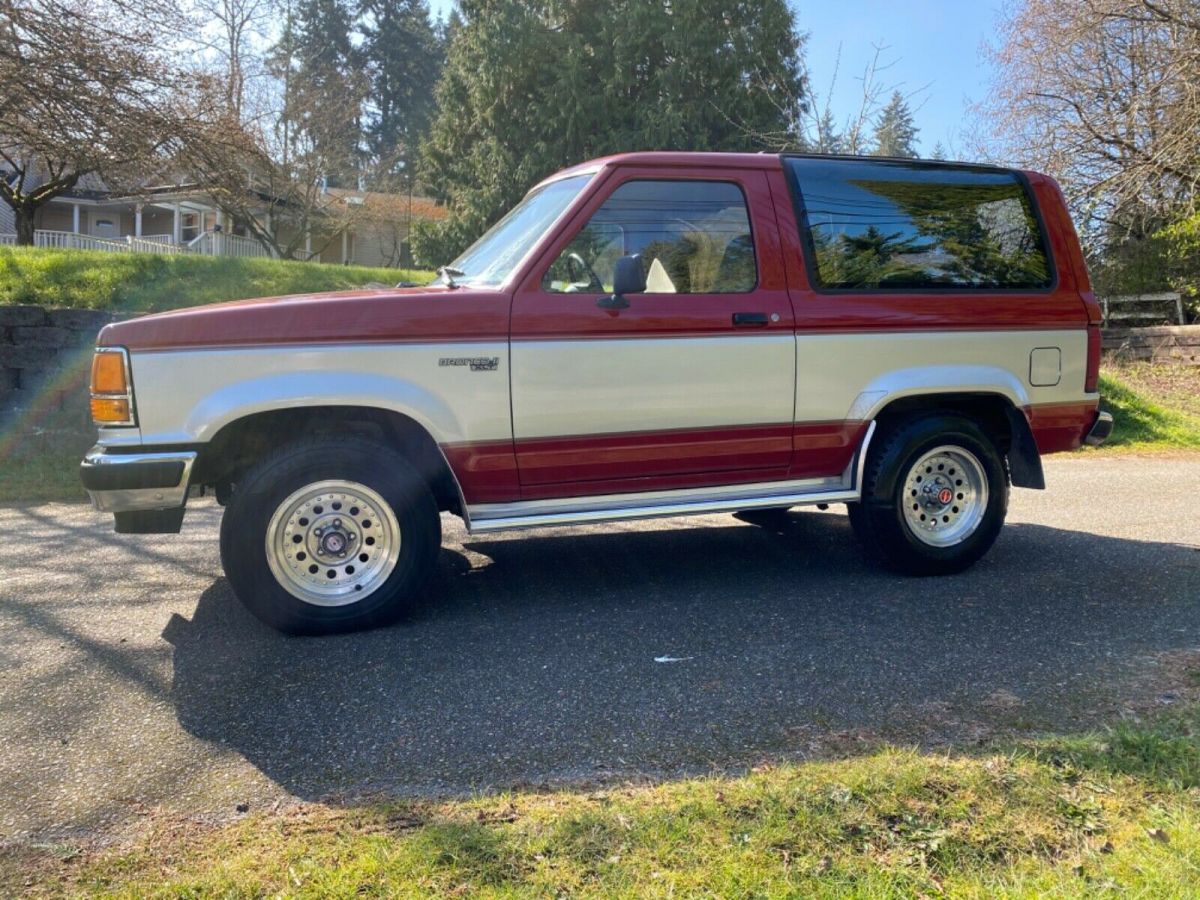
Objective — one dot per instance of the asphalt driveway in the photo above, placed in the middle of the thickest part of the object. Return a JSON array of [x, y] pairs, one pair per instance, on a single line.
[[134, 684]]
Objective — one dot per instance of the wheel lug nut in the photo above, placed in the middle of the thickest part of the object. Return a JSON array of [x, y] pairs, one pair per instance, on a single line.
[[337, 523], [350, 535]]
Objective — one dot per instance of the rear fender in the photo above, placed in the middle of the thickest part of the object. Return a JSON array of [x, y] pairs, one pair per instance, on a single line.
[[1025, 464], [933, 380]]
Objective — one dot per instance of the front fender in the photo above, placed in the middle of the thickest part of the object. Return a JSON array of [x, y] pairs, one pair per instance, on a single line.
[[293, 390], [186, 397]]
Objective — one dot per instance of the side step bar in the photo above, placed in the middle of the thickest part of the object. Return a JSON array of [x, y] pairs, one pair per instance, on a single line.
[[486, 517]]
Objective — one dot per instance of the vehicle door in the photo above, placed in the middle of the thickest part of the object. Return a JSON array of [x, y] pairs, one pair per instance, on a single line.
[[688, 383]]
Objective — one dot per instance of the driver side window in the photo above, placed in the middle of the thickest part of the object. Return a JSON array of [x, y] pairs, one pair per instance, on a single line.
[[693, 236]]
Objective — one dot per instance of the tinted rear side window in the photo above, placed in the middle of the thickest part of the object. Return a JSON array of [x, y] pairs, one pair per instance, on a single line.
[[893, 225]]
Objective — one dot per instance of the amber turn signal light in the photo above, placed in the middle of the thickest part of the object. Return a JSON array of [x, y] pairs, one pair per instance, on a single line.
[[110, 411], [112, 400], [108, 372]]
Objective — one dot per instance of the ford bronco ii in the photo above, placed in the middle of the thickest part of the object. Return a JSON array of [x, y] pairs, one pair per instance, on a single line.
[[652, 334]]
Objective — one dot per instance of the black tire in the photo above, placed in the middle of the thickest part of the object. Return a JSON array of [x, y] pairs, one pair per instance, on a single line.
[[262, 491], [879, 520]]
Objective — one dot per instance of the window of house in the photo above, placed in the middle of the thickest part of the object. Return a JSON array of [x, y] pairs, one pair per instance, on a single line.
[[693, 237], [889, 225], [190, 226]]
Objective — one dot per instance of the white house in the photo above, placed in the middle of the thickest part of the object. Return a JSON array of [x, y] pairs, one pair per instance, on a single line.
[[183, 218]]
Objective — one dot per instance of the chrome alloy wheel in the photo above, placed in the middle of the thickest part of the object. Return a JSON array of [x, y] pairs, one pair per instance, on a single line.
[[945, 496], [332, 543]]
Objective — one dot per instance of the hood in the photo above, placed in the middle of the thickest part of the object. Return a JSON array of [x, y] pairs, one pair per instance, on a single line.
[[434, 312]]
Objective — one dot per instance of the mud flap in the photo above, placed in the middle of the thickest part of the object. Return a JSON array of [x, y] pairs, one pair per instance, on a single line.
[[149, 521], [1024, 461]]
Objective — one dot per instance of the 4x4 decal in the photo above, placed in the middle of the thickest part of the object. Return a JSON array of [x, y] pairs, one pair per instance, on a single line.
[[477, 363]]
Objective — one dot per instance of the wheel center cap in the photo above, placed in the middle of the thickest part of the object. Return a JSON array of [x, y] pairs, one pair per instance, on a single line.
[[945, 495], [333, 543]]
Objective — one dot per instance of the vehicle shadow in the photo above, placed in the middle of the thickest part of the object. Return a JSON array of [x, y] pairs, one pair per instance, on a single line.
[[584, 655]]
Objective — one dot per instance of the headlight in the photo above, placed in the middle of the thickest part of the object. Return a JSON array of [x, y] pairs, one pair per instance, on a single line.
[[112, 389]]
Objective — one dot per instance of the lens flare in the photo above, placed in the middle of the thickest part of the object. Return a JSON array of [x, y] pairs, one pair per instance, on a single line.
[[74, 368]]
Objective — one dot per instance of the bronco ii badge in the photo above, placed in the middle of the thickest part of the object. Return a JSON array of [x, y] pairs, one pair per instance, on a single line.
[[477, 363]]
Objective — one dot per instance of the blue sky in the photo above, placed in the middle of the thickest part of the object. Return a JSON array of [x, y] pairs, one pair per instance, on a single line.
[[931, 42]]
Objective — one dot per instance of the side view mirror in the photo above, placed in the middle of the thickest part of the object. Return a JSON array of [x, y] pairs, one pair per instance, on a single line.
[[628, 278]]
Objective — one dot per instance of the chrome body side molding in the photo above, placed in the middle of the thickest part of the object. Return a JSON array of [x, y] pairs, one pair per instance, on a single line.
[[486, 517], [651, 505]]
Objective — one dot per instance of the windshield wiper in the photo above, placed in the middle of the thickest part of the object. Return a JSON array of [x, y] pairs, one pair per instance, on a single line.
[[449, 273]]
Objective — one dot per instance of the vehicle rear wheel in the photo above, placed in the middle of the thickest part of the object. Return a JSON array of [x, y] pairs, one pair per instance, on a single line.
[[935, 494], [330, 534]]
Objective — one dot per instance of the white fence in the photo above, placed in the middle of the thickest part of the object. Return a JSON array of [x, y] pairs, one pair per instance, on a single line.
[[1142, 306], [150, 245], [207, 244], [69, 240], [218, 243]]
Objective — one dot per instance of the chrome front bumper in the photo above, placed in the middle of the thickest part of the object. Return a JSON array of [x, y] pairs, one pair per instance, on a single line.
[[130, 482]]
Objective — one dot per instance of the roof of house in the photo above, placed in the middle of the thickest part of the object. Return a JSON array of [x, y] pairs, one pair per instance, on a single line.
[[90, 185], [391, 205]]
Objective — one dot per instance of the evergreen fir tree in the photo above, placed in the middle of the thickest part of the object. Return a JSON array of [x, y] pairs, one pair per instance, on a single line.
[[403, 54], [829, 139], [534, 86], [325, 85], [895, 134]]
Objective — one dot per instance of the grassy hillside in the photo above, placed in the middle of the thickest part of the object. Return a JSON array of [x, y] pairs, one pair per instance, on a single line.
[[1105, 816], [1154, 407], [146, 282]]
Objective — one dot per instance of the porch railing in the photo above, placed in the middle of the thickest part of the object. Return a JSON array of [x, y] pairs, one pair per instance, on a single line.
[[218, 243], [207, 244], [69, 240], [152, 244]]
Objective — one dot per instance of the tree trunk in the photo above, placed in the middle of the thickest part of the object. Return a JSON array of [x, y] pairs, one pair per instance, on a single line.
[[24, 220]]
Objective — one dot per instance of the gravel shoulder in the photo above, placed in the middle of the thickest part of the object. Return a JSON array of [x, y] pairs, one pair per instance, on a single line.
[[135, 685]]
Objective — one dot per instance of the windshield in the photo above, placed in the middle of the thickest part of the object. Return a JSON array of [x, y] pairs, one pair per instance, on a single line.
[[488, 261]]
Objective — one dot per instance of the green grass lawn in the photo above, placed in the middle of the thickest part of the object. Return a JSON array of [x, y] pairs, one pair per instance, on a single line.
[[1154, 407], [146, 282], [1109, 815]]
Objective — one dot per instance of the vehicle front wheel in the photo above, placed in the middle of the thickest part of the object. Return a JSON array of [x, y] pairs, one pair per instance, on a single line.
[[330, 534], [934, 496]]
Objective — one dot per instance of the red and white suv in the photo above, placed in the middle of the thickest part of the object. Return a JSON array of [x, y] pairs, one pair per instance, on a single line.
[[652, 334]]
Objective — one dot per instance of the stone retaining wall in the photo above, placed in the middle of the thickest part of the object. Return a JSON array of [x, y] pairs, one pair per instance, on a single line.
[[44, 357]]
